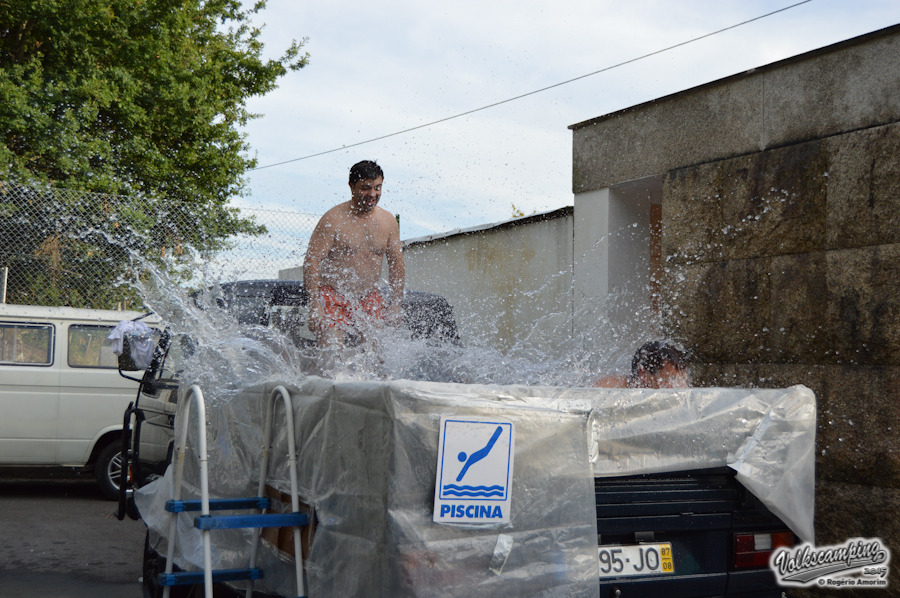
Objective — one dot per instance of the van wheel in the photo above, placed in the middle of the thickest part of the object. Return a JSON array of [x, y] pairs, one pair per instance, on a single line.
[[108, 470]]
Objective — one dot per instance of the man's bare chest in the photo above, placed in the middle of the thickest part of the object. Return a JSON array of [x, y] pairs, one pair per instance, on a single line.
[[360, 240]]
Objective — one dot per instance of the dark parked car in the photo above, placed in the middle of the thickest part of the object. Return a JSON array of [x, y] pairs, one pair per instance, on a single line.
[[687, 534], [283, 303]]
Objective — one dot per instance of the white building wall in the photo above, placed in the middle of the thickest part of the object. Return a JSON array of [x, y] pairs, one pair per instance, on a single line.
[[591, 263], [576, 279], [510, 285], [613, 242]]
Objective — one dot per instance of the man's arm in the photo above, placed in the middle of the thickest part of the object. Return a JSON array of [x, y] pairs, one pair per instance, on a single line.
[[396, 270], [320, 243], [612, 381]]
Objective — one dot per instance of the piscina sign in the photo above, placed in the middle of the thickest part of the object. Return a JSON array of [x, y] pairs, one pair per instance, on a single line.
[[474, 471]]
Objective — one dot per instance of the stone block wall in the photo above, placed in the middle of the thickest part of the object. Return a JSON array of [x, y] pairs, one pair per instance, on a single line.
[[783, 268]]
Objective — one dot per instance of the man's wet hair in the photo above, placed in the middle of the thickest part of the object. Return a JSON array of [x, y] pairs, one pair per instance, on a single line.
[[365, 170], [654, 355]]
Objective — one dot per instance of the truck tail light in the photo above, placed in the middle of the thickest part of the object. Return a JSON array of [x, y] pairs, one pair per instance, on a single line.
[[753, 550]]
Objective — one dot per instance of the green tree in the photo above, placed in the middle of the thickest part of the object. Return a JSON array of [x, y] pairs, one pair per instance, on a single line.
[[139, 101]]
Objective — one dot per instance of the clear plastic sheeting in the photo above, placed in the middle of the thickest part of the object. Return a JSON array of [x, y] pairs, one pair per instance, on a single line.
[[368, 459], [767, 436]]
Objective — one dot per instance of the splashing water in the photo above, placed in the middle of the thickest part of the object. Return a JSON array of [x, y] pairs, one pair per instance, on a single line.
[[232, 354]]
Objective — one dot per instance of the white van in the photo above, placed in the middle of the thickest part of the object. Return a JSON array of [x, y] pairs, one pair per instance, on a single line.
[[62, 398]]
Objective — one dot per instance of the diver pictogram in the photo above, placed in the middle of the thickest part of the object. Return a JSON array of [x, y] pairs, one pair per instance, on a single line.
[[477, 455]]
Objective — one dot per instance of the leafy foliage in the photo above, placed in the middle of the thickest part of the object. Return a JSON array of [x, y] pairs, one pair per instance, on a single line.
[[140, 101]]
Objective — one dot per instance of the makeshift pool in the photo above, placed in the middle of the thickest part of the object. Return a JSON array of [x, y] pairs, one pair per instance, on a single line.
[[368, 464]]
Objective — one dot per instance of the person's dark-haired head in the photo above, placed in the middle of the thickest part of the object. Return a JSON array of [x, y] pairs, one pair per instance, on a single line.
[[660, 364], [364, 171]]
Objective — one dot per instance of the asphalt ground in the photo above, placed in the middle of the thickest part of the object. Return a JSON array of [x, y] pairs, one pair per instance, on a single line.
[[59, 538]]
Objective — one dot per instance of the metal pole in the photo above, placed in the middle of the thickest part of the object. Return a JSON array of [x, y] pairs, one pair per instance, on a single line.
[[3, 286]]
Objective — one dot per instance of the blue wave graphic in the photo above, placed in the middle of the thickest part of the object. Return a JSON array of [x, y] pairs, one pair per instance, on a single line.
[[480, 491]]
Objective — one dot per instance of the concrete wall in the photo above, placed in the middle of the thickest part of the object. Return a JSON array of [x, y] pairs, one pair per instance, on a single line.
[[807, 291], [781, 240], [837, 89], [510, 285]]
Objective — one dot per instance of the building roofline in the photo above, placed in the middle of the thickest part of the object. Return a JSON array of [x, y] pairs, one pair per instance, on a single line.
[[540, 217], [62, 312], [853, 41]]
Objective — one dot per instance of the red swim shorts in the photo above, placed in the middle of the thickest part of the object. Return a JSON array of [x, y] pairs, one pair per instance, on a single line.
[[341, 312]]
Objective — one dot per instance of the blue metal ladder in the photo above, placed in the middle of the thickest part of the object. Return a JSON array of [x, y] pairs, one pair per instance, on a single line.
[[207, 522]]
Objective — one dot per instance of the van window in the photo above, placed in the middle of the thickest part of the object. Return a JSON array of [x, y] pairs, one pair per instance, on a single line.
[[26, 344], [88, 347]]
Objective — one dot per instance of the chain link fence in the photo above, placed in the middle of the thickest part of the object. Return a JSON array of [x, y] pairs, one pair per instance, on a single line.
[[281, 247], [81, 249]]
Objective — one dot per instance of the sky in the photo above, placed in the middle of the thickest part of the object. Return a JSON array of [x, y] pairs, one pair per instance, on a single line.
[[379, 68]]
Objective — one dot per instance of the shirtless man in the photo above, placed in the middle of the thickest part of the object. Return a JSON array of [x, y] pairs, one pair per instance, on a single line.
[[343, 262]]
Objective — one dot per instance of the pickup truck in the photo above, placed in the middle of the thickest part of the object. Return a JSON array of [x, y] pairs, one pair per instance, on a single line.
[[721, 535], [615, 492]]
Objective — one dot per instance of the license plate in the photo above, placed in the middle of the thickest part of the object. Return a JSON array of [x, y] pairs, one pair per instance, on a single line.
[[640, 559]]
